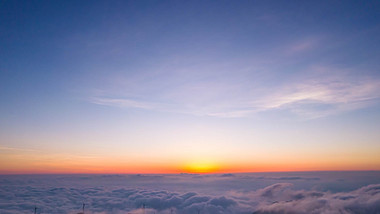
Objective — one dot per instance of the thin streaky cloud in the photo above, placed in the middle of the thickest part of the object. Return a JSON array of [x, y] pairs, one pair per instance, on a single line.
[[124, 103], [302, 46], [309, 96], [5, 148], [338, 93]]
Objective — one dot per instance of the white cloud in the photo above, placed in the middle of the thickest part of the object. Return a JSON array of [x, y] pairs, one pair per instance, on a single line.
[[309, 97], [125, 103], [323, 95], [302, 46], [278, 79]]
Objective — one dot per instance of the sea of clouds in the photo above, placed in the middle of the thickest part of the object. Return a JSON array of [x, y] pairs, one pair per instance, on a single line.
[[260, 193]]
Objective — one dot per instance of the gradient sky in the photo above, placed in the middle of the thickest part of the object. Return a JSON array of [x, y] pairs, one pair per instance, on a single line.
[[194, 86]]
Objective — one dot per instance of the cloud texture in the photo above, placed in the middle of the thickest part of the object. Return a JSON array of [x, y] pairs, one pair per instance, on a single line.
[[65, 194], [316, 92]]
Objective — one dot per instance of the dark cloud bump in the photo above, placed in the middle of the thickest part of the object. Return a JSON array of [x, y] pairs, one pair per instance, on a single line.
[[227, 175], [289, 178], [223, 202]]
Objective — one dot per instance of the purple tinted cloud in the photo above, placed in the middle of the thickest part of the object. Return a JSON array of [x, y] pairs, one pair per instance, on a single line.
[[183, 194]]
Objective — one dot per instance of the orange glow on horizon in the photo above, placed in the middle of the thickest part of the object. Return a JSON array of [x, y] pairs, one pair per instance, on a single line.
[[201, 167], [52, 164]]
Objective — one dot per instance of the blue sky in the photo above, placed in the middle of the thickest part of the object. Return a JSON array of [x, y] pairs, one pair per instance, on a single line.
[[112, 79]]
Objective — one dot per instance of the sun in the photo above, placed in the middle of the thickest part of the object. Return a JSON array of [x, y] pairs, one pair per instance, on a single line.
[[201, 167]]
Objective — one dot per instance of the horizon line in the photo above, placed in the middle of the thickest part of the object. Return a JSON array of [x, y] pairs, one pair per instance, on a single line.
[[188, 173]]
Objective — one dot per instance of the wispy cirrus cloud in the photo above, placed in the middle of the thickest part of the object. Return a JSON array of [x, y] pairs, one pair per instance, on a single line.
[[123, 103], [322, 96], [11, 149], [302, 46], [281, 78], [310, 96]]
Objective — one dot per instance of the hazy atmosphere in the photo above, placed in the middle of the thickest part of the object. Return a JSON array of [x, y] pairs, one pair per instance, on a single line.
[[202, 88]]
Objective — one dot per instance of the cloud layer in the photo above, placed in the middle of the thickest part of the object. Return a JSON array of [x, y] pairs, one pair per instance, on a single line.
[[105, 194]]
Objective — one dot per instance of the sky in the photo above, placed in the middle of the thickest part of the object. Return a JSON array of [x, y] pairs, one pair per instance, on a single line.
[[247, 193], [189, 86]]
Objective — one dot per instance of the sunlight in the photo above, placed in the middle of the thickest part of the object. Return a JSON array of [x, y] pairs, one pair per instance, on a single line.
[[201, 167]]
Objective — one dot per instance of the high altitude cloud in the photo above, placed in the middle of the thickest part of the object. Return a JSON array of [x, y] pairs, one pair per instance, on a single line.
[[278, 79], [321, 91]]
